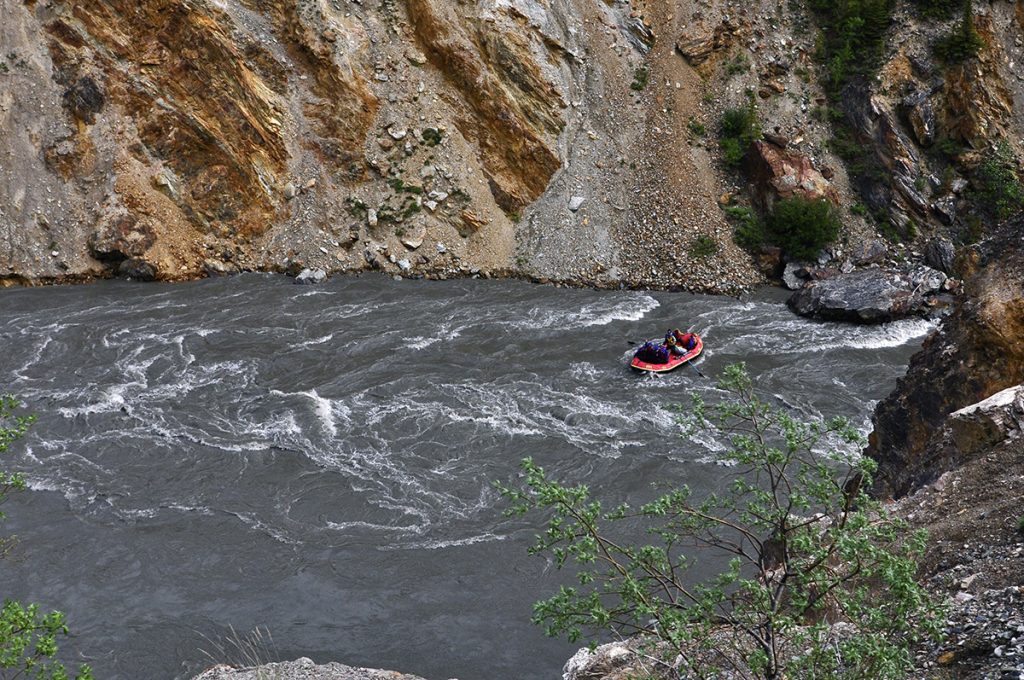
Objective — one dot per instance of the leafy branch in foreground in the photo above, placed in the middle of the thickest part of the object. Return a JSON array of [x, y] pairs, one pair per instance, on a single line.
[[819, 580], [28, 638]]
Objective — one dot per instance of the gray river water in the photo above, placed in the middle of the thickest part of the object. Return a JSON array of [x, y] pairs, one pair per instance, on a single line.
[[245, 452]]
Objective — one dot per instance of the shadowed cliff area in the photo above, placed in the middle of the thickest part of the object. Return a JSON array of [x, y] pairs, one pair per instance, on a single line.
[[977, 352]]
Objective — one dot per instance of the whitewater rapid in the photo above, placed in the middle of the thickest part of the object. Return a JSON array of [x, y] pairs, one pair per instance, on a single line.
[[243, 452]]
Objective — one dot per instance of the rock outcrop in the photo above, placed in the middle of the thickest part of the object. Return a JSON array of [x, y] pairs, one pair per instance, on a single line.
[[981, 426], [700, 41], [301, 669], [778, 173], [918, 131], [977, 352], [869, 295]]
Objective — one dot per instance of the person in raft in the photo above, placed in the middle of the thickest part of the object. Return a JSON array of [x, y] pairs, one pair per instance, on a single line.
[[680, 343]]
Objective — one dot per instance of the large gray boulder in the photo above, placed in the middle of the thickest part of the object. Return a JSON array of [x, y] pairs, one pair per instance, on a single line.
[[301, 669], [869, 295]]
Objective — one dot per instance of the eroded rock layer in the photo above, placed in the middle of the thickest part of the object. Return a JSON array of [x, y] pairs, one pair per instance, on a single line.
[[565, 140], [251, 134]]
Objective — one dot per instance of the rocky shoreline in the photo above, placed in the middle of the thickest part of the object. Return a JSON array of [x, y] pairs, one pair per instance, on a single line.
[[858, 295], [589, 157]]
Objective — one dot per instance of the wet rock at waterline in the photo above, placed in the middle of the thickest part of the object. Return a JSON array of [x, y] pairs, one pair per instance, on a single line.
[[138, 269], [213, 267], [869, 295], [311, 276]]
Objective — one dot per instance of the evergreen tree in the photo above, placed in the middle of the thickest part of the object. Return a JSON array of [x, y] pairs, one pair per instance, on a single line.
[[964, 42]]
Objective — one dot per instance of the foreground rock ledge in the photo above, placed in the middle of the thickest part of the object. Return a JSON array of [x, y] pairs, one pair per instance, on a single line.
[[301, 669]]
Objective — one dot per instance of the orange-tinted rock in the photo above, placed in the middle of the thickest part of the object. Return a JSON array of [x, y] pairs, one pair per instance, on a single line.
[[176, 73], [517, 111], [700, 42], [780, 174], [978, 105], [123, 236]]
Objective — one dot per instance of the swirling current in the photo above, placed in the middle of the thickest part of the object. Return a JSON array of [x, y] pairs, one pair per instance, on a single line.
[[318, 461]]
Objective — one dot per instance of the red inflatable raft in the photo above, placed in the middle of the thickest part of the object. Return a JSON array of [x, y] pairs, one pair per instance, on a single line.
[[674, 362]]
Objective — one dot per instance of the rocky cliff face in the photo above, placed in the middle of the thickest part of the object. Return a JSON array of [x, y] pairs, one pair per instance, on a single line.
[[923, 125], [918, 134], [565, 139], [978, 351], [247, 133], [559, 139]]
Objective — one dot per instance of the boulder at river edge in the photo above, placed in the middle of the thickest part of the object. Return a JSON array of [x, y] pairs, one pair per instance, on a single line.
[[869, 295], [311, 276]]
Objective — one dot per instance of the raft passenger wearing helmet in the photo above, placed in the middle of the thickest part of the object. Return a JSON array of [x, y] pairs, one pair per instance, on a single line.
[[673, 345]]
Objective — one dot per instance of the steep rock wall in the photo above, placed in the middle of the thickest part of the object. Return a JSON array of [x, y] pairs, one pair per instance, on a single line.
[[253, 134], [179, 138], [978, 351], [560, 139]]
